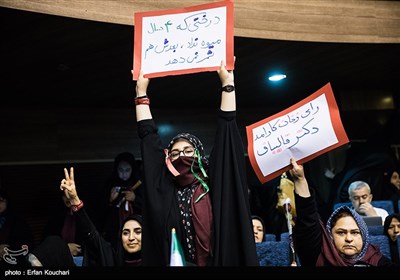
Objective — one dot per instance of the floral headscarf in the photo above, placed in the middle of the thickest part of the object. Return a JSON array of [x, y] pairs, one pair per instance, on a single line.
[[201, 159], [360, 223], [196, 143]]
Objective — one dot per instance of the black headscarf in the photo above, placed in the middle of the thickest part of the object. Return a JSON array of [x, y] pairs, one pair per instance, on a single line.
[[129, 158], [394, 251], [14, 229], [254, 217], [54, 252], [389, 190], [124, 258]]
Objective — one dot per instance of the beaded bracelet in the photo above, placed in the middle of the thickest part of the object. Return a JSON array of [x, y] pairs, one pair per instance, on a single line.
[[142, 100], [76, 208]]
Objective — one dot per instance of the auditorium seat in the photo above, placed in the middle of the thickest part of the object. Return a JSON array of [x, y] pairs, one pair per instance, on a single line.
[[273, 253], [375, 230], [382, 241], [385, 204]]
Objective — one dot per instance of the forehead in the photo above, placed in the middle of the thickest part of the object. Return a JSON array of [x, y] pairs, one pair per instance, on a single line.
[[123, 164], [361, 191], [256, 222], [132, 224], [347, 223], [180, 144], [394, 221]]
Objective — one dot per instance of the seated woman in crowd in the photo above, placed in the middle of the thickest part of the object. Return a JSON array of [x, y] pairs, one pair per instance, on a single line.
[[97, 251], [391, 187], [391, 229], [124, 195], [344, 241], [258, 228], [15, 233], [52, 252]]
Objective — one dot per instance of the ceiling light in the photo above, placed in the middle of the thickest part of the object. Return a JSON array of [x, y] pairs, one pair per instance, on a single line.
[[277, 77]]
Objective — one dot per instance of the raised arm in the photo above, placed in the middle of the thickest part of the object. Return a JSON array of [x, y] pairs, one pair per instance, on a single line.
[[300, 182], [228, 98], [94, 242], [69, 188], [142, 101], [228, 185], [307, 231]]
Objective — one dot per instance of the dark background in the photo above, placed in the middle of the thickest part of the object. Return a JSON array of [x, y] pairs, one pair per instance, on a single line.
[[67, 99], [73, 72]]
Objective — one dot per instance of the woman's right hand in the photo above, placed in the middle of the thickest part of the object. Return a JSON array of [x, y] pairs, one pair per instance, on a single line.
[[75, 249], [226, 76], [69, 188], [142, 112], [297, 170], [114, 193], [141, 84], [299, 179]]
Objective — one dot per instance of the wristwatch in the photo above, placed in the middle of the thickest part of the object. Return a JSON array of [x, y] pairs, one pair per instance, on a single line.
[[228, 88]]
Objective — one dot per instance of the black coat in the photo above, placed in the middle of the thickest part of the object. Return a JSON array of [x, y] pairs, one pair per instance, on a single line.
[[233, 239], [96, 250]]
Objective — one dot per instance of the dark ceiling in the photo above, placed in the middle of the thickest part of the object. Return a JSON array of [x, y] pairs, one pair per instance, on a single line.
[[57, 61]]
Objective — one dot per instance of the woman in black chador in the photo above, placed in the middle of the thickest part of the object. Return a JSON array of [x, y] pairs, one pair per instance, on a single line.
[[124, 195], [391, 228], [205, 200]]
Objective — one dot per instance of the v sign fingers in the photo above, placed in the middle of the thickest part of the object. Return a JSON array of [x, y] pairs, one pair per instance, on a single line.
[[71, 174], [69, 177], [68, 186]]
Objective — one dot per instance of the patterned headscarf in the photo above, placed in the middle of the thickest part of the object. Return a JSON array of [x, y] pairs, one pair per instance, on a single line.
[[196, 143], [201, 159], [196, 214], [360, 223]]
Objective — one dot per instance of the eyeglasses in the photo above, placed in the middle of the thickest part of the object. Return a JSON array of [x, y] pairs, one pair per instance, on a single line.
[[187, 151]]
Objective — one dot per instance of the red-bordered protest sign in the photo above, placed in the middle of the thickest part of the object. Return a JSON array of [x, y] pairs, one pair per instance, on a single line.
[[184, 40], [302, 131]]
